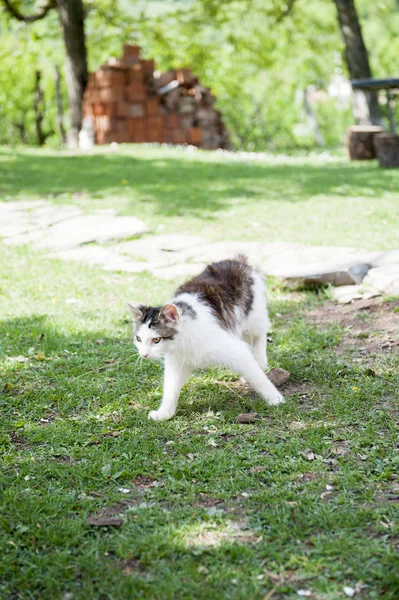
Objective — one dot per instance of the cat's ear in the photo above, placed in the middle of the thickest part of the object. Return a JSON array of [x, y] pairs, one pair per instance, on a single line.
[[137, 313], [169, 313]]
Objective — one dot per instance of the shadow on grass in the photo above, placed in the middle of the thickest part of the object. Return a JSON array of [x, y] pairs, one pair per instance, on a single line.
[[177, 186]]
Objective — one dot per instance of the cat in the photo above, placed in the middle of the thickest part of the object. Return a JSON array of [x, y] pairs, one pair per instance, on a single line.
[[217, 318]]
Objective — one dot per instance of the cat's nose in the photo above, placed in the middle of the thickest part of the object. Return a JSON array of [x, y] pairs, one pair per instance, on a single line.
[[144, 355]]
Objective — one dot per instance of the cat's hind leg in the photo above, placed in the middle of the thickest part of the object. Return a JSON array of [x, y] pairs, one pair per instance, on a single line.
[[238, 357]]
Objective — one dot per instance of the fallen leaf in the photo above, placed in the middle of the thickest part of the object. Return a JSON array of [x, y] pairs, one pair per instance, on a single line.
[[212, 442], [304, 592], [248, 417], [190, 456], [100, 341], [339, 449], [308, 454], [21, 359], [124, 490], [257, 469], [106, 469], [297, 425], [278, 376], [40, 356], [105, 521], [203, 570], [349, 591]]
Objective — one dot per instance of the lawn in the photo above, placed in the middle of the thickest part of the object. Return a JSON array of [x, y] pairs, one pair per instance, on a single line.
[[312, 200], [303, 499]]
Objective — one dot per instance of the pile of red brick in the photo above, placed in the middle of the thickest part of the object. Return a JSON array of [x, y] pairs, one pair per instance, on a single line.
[[129, 102]]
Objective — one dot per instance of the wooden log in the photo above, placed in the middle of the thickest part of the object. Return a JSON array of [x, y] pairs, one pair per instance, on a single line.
[[134, 74], [136, 92], [110, 94], [172, 121], [147, 68], [194, 136], [153, 107], [360, 141], [131, 54], [110, 77], [166, 78], [137, 110], [387, 148]]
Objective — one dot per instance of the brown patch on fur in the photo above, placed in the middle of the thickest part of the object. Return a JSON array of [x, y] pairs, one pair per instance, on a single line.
[[224, 286]]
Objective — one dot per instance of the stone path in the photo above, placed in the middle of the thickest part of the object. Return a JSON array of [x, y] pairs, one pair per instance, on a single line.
[[66, 233]]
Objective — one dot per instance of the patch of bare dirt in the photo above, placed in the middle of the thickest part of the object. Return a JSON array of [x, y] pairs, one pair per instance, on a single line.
[[142, 482], [372, 326], [204, 501], [132, 566], [302, 388], [18, 441], [63, 459]]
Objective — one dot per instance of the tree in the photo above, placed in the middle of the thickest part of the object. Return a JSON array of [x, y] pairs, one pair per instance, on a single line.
[[356, 54], [71, 16]]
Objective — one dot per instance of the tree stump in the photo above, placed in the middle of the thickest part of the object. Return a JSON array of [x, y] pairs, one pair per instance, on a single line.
[[360, 141], [387, 148]]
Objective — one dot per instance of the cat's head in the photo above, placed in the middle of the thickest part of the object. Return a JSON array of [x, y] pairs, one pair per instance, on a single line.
[[154, 329]]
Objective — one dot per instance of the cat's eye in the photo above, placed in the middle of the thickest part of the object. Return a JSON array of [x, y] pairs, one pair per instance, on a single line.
[[138, 338], [156, 340]]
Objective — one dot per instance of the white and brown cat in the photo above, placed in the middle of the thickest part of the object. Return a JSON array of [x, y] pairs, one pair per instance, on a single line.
[[217, 318]]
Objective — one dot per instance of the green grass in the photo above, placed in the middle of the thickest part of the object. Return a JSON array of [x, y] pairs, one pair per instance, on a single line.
[[74, 403], [302, 199]]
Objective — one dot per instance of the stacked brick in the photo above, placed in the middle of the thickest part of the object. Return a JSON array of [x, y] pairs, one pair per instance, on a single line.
[[130, 103]]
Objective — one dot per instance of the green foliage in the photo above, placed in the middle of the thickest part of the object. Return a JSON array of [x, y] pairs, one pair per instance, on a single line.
[[258, 57]]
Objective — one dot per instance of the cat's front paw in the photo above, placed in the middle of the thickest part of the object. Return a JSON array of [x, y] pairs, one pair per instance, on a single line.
[[275, 399], [160, 415]]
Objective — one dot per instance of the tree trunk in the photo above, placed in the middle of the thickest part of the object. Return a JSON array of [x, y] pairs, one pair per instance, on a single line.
[[72, 22], [356, 54], [60, 112], [38, 108]]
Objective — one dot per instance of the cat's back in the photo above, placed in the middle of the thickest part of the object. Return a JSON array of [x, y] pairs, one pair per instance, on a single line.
[[227, 287]]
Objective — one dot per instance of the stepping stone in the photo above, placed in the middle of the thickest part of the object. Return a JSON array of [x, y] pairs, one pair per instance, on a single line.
[[348, 293], [20, 219], [286, 260], [384, 279], [178, 271], [386, 258], [89, 228], [92, 255], [120, 263], [163, 249], [216, 251], [323, 274]]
